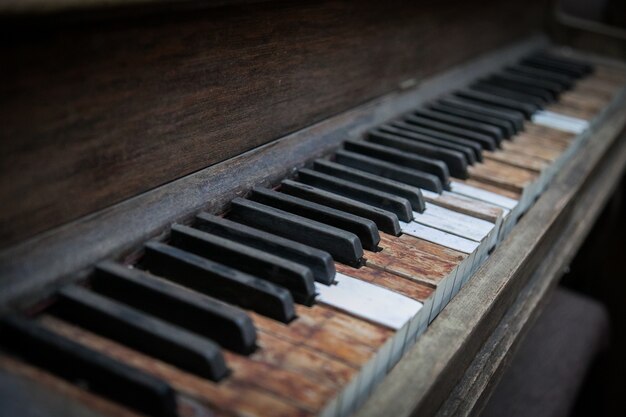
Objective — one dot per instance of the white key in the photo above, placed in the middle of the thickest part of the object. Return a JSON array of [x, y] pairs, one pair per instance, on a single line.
[[483, 195], [560, 122], [368, 301], [439, 237], [454, 222]]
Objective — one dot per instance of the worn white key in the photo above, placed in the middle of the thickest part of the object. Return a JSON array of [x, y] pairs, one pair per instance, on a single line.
[[454, 222], [368, 301], [560, 122], [439, 237], [483, 195]]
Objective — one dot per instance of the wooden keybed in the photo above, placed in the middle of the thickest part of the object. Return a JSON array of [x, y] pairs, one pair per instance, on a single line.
[[440, 363]]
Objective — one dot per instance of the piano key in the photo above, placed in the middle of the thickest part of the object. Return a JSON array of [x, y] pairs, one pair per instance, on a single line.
[[421, 262], [219, 281], [140, 331], [492, 188], [400, 158], [548, 65], [370, 302], [503, 175], [78, 364], [424, 293], [560, 122], [507, 127], [364, 228], [494, 100], [565, 81], [412, 194], [492, 131], [483, 195], [296, 278], [515, 118], [515, 159], [509, 94], [528, 93], [254, 388], [455, 160], [228, 326], [568, 61], [439, 237], [320, 262], [343, 246], [470, 206], [456, 223], [385, 169], [507, 78], [485, 141], [471, 150], [385, 220], [397, 205]]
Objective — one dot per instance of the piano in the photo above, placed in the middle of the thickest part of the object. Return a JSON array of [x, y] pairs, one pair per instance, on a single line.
[[260, 208]]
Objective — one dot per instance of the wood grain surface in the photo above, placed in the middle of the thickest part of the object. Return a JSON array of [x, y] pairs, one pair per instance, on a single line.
[[94, 113]]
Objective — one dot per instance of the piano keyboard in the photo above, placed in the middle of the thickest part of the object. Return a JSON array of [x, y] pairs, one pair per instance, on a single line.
[[301, 298]]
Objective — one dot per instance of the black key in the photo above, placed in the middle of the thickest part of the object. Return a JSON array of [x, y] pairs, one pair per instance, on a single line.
[[412, 194], [508, 94], [75, 363], [468, 153], [526, 109], [296, 278], [418, 163], [535, 95], [385, 221], [397, 205], [486, 129], [563, 80], [140, 331], [559, 68], [219, 281], [423, 132], [365, 229], [506, 77], [228, 326], [485, 141], [320, 262], [456, 161], [388, 170], [343, 246], [569, 61], [504, 125], [515, 118]]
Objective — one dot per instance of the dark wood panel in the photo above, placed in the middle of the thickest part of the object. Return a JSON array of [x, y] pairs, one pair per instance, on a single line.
[[95, 112]]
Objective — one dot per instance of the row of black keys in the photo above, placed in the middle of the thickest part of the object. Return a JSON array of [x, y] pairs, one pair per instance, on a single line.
[[276, 244]]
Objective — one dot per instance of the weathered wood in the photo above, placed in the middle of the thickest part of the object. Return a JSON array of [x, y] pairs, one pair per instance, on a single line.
[[431, 369], [474, 208], [502, 175], [230, 396], [98, 113], [118, 229], [493, 188]]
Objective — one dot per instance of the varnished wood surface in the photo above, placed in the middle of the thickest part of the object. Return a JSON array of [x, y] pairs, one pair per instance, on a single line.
[[114, 231], [93, 114], [441, 356]]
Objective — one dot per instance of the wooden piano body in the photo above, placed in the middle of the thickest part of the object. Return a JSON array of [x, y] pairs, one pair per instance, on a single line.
[[117, 122]]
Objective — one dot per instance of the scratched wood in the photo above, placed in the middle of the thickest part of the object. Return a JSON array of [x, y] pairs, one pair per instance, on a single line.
[[230, 396], [465, 205], [516, 159], [545, 153], [413, 258], [330, 332], [502, 175], [396, 283], [493, 188]]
